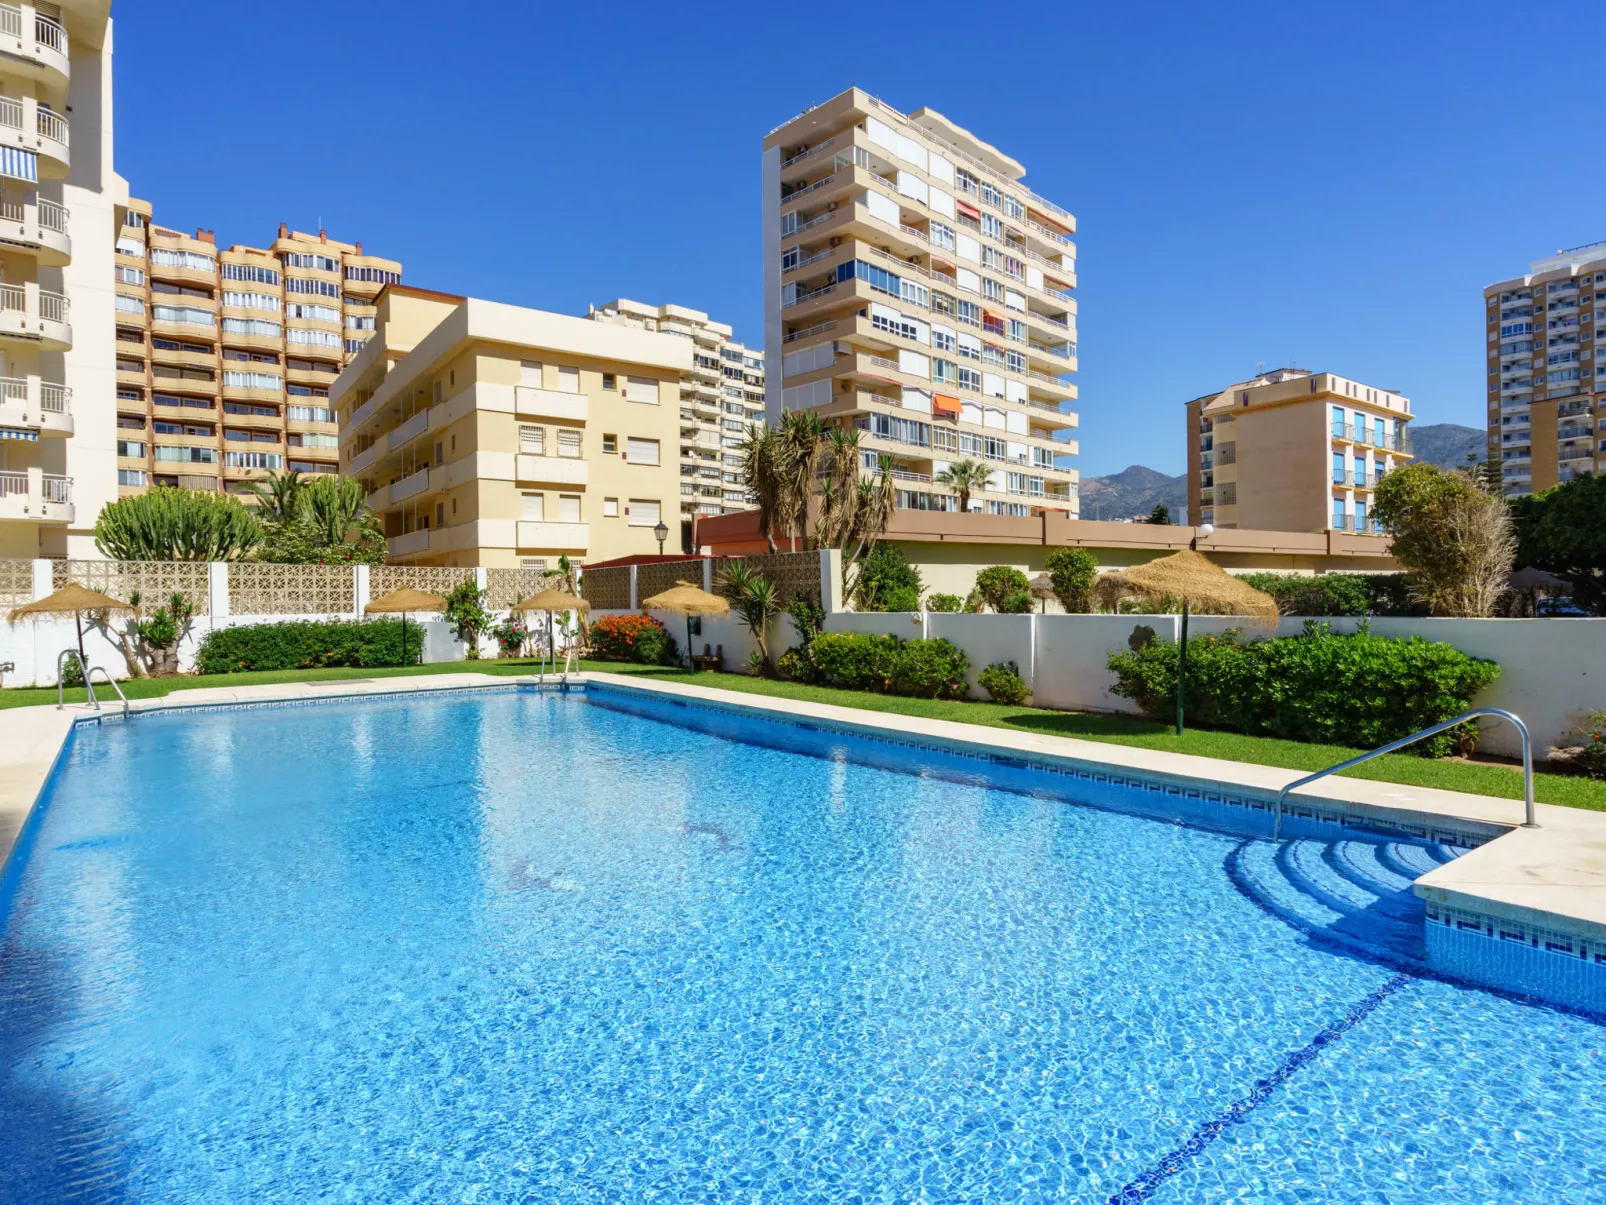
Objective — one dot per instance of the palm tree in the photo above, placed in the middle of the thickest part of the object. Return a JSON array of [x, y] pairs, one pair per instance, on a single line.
[[764, 475], [965, 476], [875, 503], [839, 497], [801, 439], [757, 601], [338, 509], [279, 496]]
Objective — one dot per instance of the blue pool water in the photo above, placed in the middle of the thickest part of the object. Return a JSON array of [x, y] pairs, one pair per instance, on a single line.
[[518, 947]]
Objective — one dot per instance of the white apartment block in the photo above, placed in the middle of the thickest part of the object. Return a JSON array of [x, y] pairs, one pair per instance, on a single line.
[[917, 291]]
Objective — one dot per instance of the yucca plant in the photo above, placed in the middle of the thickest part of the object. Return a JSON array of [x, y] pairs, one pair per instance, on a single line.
[[755, 599]]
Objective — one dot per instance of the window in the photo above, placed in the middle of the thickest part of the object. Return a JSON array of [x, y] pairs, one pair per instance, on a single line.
[[968, 312], [251, 272], [942, 236], [353, 346], [130, 476], [183, 315], [641, 451], [568, 508], [969, 378], [992, 227], [309, 440], [1015, 361], [641, 389], [251, 301], [252, 326], [373, 275], [610, 381], [610, 444], [533, 563], [877, 278], [169, 258], [1013, 207], [900, 430], [186, 455], [532, 440], [790, 258], [569, 444], [131, 276], [359, 322], [610, 508], [308, 414], [318, 313], [1016, 330], [643, 512], [944, 372], [315, 338], [130, 246], [253, 380], [130, 305], [568, 380], [942, 338], [532, 507], [991, 289], [131, 447], [306, 259], [318, 288]]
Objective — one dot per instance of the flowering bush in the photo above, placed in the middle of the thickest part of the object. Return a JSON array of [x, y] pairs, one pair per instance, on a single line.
[[638, 638], [1592, 757], [511, 635]]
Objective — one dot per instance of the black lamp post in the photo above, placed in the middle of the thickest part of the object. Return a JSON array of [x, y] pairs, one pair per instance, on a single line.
[[662, 532]]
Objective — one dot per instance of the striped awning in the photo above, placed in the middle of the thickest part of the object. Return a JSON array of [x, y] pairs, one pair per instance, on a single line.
[[14, 433], [19, 165]]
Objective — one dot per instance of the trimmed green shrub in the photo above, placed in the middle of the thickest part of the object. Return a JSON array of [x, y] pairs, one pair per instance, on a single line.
[[364, 643], [797, 665], [855, 660], [998, 583], [1017, 602], [655, 646], [945, 604], [930, 669], [1002, 681], [1072, 572], [1360, 690], [1338, 593]]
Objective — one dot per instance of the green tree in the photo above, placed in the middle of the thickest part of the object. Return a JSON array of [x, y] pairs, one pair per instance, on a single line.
[[764, 474], [278, 496], [965, 477], [1454, 538], [1072, 572], [1160, 516], [1563, 531], [888, 582], [319, 520], [467, 613], [168, 524], [1002, 588]]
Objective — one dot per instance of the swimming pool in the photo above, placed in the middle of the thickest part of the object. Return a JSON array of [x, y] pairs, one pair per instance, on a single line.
[[512, 946]]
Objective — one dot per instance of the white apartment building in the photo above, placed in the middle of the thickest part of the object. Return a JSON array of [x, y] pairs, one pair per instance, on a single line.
[[721, 400], [917, 291], [61, 205]]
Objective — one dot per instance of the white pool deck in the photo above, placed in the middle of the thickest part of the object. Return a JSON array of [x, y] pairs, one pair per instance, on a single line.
[[1552, 876]]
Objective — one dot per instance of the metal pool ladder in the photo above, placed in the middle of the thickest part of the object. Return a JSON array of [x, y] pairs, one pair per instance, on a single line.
[[1502, 713], [89, 684]]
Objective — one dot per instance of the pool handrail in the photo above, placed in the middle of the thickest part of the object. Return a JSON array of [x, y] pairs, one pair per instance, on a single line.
[[1499, 712], [61, 662], [110, 681]]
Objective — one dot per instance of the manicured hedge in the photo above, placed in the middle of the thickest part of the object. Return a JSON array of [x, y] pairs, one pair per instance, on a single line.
[[1360, 690], [308, 644], [1338, 593], [927, 669]]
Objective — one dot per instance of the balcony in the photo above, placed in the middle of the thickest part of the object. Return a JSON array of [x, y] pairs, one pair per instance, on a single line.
[[556, 470], [410, 544], [35, 496], [364, 460], [408, 431], [36, 316], [40, 225], [28, 126], [31, 404], [34, 43], [529, 402], [537, 535]]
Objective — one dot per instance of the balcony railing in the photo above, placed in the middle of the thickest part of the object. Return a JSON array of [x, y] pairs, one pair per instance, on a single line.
[[817, 329], [51, 125], [52, 306], [53, 216]]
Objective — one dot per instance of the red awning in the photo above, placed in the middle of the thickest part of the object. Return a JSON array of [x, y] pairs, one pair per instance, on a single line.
[[970, 211]]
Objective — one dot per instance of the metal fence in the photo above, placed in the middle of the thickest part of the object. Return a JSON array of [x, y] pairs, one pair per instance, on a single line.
[[153, 581]]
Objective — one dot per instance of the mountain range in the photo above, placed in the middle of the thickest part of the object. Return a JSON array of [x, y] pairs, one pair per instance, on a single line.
[[1135, 490]]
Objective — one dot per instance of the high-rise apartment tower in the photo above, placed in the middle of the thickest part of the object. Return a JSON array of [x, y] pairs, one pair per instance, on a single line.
[[1547, 389], [225, 357], [916, 290]]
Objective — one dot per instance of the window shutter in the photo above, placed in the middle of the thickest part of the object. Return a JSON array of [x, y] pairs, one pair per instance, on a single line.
[[530, 373], [641, 389], [569, 380], [569, 443], [532, 440], [641, 451], [568, 508], [643, 512], [532, 507]]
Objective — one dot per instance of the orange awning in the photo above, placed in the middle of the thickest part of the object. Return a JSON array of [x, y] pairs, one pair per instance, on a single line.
[[944, 406]]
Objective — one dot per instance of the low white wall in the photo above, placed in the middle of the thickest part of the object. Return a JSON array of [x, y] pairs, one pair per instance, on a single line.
[[905, 625], [989, 638], [723, 634], [1072, 655]]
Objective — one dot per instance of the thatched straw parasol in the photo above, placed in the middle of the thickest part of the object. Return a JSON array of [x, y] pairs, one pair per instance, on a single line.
[[1042, 588], [72, 599], [690, 600], [551, 600], [400, 602], [1190, 579], [1195, 581]]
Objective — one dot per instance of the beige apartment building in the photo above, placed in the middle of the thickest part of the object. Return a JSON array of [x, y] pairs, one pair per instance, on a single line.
[[60, 205], [498, 436], [1293, 450], [721, 400], [1547, 391], [916, 290], [225, 357]]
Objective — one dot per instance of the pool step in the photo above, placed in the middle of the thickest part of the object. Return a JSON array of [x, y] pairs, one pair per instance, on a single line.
[[1351, 892]]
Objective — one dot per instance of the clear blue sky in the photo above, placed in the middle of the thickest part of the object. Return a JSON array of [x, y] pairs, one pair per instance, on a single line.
[[1252, 182]]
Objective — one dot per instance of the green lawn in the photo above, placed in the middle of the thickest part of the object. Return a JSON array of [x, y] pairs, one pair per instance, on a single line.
[[1497, 780], [1480, 779]]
